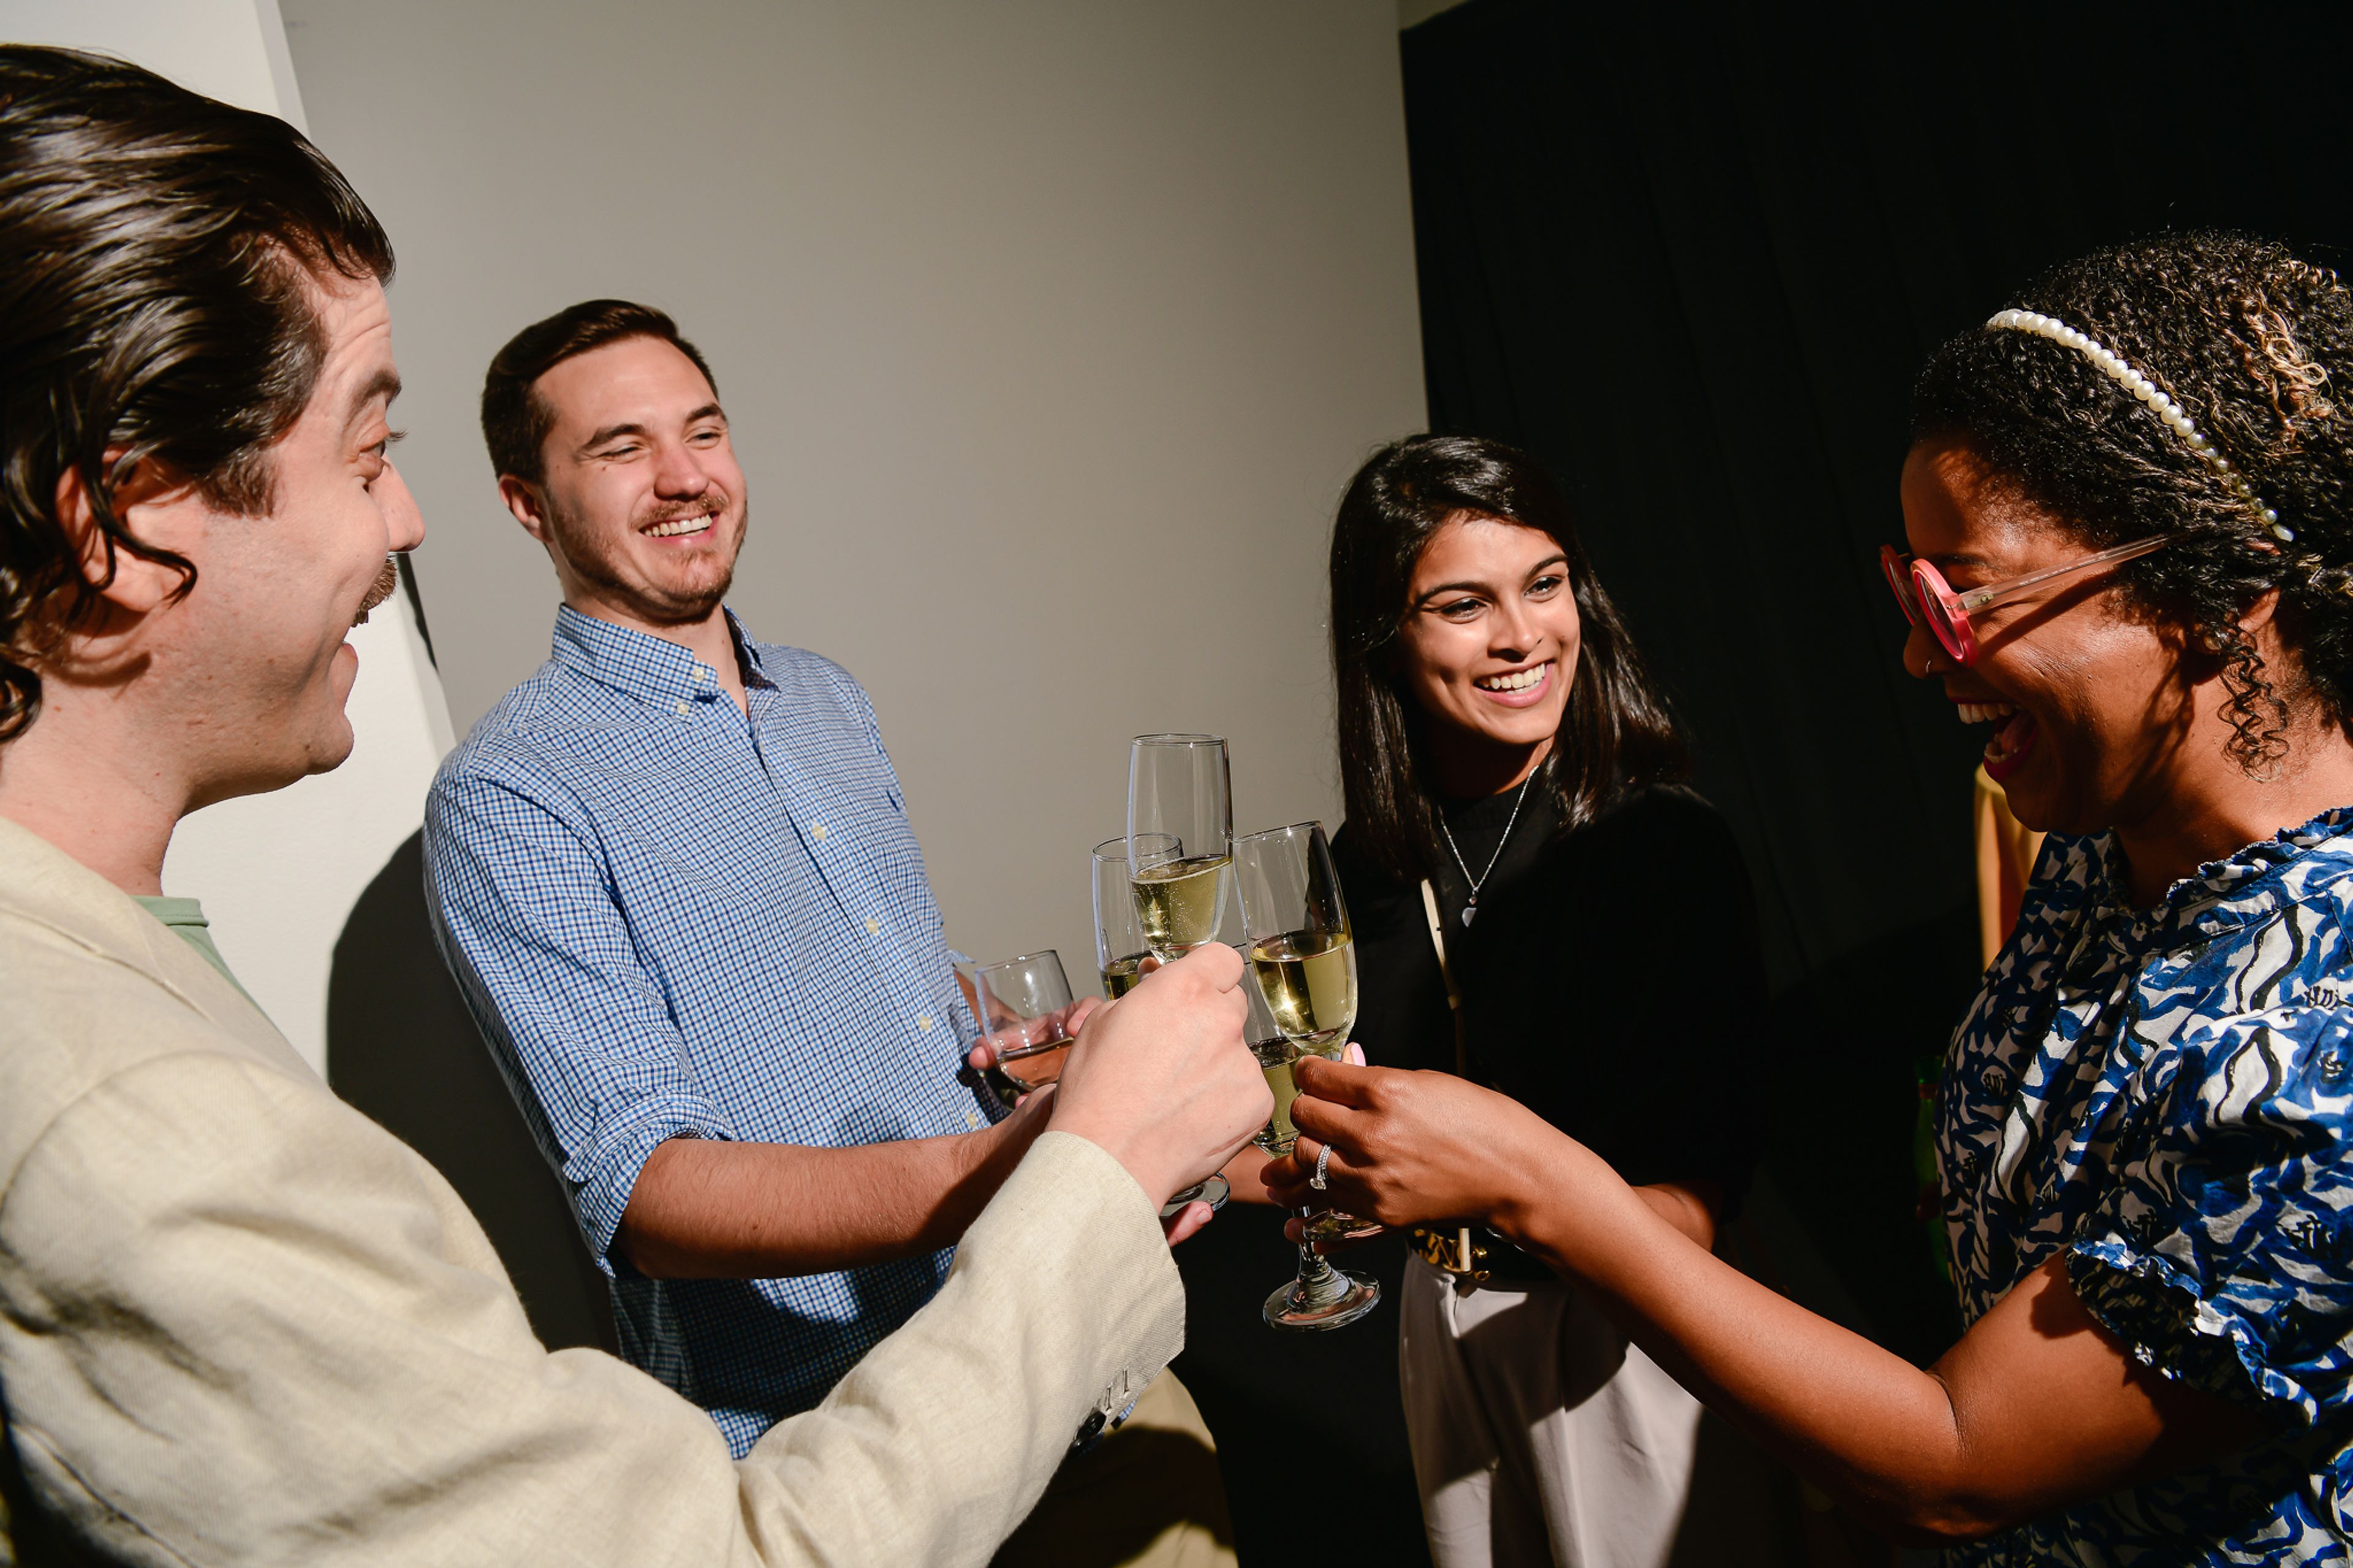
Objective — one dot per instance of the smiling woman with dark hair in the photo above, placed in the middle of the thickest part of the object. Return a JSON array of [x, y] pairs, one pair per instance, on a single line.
[[1521, 858], [2129, 505]]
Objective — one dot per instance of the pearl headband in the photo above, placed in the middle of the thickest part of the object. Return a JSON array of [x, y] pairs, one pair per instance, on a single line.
[[2113, 366]]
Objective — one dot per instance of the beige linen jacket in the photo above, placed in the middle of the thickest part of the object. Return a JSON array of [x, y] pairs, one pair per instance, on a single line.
[[240, 1323]]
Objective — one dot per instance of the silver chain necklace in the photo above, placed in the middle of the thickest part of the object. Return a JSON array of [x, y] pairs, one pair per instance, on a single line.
[[1479, 881]]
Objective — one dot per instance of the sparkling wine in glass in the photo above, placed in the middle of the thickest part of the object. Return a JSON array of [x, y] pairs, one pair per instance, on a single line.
[[1303, 958], [1275, 1052], [1120, 946], [1180, 833], [1180, 861]]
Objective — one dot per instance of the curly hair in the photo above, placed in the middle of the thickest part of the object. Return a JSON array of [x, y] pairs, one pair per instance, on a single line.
[[2256, 346], [1616, 732], [154, 252]]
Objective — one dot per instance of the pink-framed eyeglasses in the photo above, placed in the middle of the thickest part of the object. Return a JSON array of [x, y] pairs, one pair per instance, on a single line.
[[1924, 595]]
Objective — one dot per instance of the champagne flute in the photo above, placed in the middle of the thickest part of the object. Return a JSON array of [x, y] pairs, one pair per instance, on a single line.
[[1120, 946], [1180, 859], [1179, 788], [1024, 1010], [1305, 959]]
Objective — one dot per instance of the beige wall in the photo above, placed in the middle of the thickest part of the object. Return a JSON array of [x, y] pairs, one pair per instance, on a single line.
[[1050, 331]]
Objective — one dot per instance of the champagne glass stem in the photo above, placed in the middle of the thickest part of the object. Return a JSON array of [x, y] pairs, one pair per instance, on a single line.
[[1319, 1284]]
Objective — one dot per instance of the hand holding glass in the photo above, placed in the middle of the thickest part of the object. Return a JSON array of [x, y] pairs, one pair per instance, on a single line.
[[1025, 1017]]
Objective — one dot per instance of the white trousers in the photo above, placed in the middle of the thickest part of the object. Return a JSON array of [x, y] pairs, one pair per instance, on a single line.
[[1541, 1436]]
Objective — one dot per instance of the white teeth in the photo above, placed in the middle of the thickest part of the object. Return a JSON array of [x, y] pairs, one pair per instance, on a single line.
[[1983, 712], [678, 525], [1519, 680]]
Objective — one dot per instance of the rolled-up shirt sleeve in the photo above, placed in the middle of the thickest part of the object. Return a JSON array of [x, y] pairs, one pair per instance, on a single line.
[[526, 920]]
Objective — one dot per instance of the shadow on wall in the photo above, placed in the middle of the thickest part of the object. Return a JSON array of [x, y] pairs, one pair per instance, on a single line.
[[402, 1050]]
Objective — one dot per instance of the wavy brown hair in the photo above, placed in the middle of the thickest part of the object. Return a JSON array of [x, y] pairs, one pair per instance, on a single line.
[[1615, 733], [2257, 345], [153, 308]]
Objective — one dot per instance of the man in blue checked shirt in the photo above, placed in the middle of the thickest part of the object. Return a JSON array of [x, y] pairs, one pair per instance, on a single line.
[[674, 876]]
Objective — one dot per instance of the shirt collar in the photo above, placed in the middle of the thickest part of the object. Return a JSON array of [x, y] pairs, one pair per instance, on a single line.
[[644, 665]]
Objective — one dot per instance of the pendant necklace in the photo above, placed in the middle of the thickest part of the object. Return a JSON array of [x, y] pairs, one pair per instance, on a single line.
[[1479, 881]]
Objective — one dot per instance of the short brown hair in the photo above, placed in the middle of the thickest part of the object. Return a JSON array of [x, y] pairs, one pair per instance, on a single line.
[[515, 419]]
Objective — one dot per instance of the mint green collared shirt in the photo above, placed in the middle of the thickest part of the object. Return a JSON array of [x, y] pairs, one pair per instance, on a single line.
[[186, 917]]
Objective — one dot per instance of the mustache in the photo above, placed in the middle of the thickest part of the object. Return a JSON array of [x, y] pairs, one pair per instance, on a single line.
[[387, 584], [713, 503]]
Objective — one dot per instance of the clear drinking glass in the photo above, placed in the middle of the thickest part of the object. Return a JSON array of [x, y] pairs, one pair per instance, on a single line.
[[1181, 839], [1275, 1052], [1120, 946], [1305, 959], [1024, 1007], [1180, 861]]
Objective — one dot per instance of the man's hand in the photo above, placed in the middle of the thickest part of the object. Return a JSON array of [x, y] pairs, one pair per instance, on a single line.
[[1163, 1081], [1069, 1020]]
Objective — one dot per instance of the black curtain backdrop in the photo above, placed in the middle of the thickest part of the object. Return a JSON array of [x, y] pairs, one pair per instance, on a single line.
[[1693, 257]]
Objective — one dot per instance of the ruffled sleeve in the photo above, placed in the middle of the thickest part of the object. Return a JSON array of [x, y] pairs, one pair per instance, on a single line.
[[2222, 1257]]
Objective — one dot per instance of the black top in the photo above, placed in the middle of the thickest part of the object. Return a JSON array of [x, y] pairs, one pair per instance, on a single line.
[[1611, 976], [1613, 981]]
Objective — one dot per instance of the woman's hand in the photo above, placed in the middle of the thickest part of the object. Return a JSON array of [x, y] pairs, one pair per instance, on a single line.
[[1409, 1147]]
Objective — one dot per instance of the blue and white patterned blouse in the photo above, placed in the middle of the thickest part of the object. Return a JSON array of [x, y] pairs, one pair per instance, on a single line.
[[2166, 1095], [674, 919]]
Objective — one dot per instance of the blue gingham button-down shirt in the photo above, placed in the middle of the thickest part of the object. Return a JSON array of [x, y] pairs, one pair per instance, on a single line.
[[673, 919]]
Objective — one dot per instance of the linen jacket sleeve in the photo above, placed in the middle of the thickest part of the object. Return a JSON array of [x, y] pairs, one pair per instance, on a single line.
[[241, 1324], [527, 921]]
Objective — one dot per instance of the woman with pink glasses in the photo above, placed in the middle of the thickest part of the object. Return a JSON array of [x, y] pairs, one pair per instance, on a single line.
[[2130, 511]]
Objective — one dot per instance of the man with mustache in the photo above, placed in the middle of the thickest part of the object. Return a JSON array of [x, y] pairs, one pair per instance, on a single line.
[[675, 878], [239, 1322]]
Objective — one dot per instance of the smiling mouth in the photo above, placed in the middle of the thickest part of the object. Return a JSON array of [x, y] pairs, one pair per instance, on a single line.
[[674, 527], [1516, 679], [2008, 745]]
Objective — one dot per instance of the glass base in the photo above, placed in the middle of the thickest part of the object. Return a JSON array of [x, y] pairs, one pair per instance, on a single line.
[[1213, 1192], [1334, 1302]]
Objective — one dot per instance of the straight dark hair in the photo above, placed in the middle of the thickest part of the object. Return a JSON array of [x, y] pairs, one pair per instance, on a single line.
[[515, 419], [1616, 734], [156, 252]]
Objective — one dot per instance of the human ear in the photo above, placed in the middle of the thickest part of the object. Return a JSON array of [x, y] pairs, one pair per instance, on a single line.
[[2258, 614], [530, 508], [158, 508]]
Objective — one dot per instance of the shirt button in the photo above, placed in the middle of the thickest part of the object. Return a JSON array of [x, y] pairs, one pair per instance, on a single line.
[[703, 673], [924, 1023], [972, 1119], [874, 927], [684, 707], [819, 831]]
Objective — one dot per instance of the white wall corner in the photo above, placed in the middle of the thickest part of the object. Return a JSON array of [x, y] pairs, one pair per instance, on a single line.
[[281, 65]]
